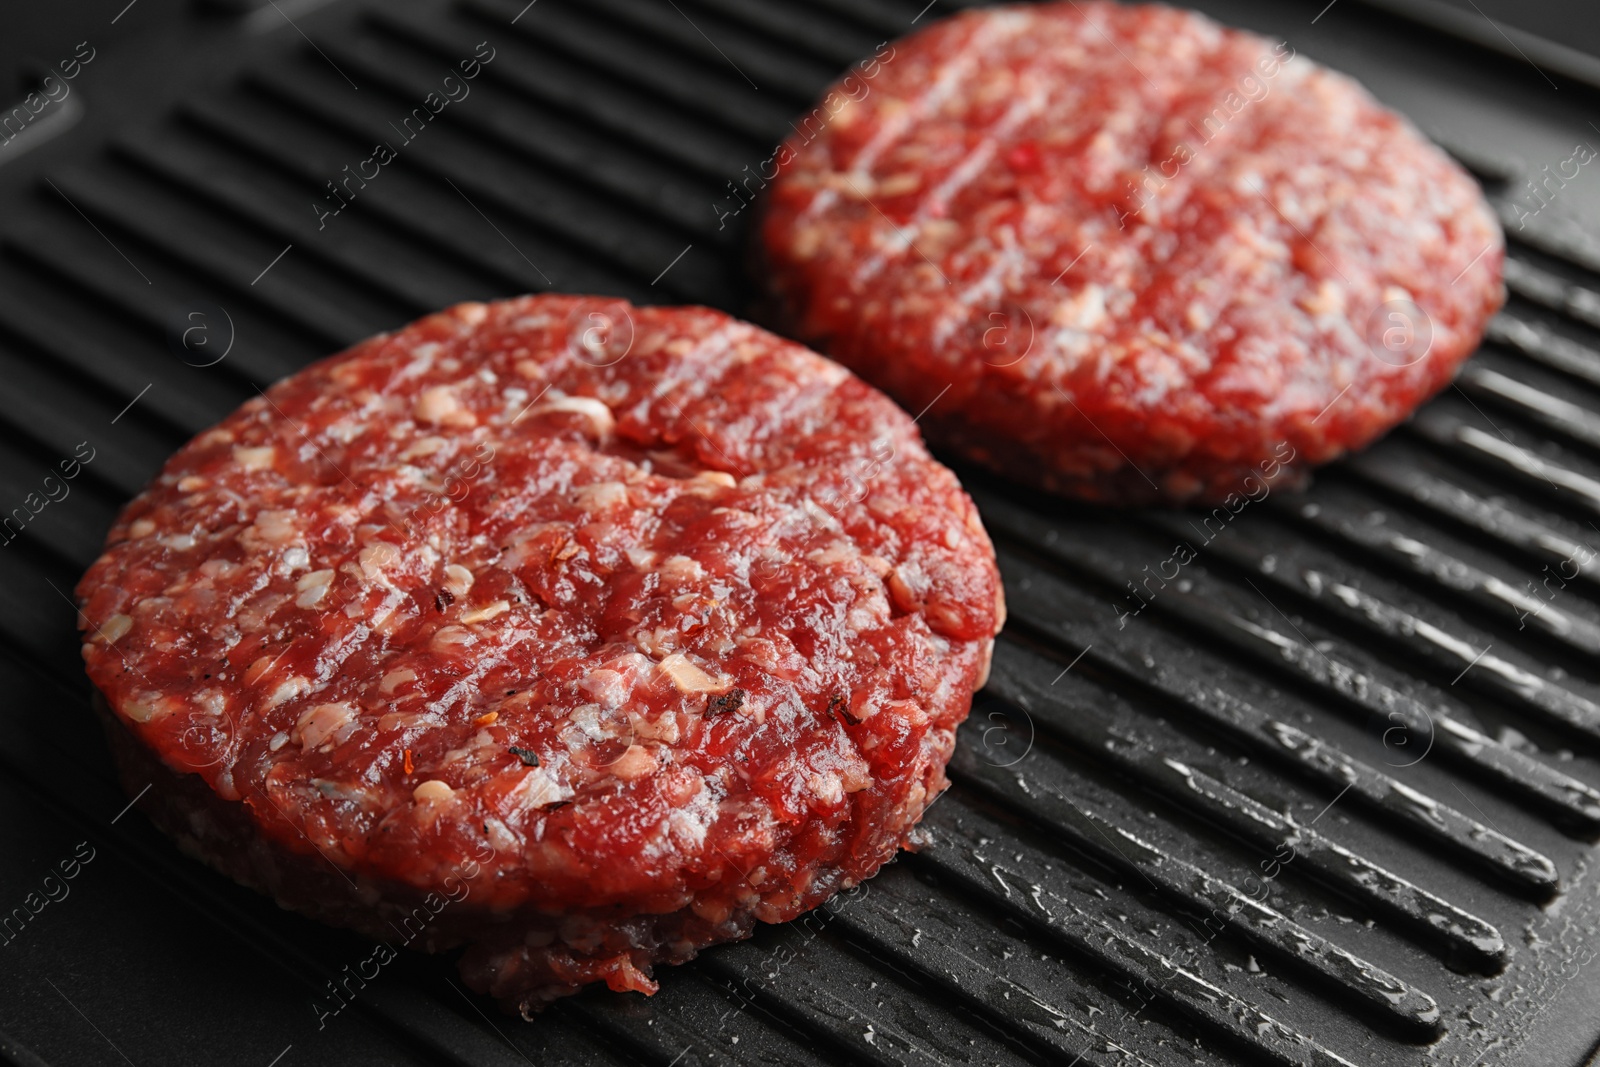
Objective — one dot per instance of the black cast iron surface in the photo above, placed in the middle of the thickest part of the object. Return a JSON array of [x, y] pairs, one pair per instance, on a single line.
[[1326, 792]]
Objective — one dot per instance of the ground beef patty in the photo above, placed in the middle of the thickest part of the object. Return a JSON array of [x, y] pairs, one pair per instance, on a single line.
[[1127, 254], [583, 635]]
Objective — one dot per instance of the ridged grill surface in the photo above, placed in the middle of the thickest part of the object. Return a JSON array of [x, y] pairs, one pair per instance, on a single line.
[[1327, 794]]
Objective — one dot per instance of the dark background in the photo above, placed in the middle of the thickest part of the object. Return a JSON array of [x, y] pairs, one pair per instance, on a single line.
[[33, 34]]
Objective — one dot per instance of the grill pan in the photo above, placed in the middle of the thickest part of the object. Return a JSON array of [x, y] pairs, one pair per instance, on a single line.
[[1328, 795]]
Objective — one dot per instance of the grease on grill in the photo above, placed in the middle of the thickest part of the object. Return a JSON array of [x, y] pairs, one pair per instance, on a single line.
[[721, 703]]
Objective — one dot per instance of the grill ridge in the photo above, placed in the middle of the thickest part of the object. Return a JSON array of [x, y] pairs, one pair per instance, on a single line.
[[1463, 939]]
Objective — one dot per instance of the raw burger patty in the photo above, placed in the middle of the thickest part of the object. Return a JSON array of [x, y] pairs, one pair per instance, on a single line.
[[1150, 258], [584, 635]]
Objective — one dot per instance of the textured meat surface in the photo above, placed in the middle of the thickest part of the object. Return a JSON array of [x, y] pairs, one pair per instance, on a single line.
[[1147, 256], [619, 628]]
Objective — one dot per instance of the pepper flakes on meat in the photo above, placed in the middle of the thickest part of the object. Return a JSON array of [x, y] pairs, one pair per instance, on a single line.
[[839, 710], [725, 703]]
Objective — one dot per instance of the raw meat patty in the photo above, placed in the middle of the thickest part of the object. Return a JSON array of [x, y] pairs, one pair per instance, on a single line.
[[1126, 254], [580, 634]]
